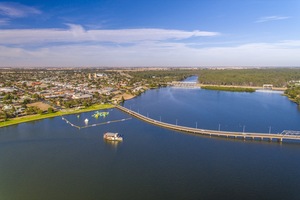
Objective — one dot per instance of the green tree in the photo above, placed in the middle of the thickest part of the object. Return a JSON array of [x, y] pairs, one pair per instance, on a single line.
[[7, 97], [36, 96], [26, 101], [3, 116], [39, 111], [50, 110], [24, 84], [68, 104]]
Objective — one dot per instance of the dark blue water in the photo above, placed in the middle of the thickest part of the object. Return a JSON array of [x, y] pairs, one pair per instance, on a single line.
[[254, 112], [49, 159]]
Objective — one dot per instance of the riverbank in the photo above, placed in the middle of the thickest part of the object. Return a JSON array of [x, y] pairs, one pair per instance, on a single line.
[[30, 118], [24, 119]]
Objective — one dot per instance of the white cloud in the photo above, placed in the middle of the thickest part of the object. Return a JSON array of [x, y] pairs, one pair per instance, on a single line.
[[16, 10], [4, 22], [290, 43], [76, 46], [77, 33], [154, 53], [271, 18]]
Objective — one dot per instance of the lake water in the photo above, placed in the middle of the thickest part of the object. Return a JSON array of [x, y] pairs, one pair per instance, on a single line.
[[50, 159]]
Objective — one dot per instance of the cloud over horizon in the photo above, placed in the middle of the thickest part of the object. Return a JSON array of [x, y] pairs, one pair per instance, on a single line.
[[154, 53], [76, 33], [271, 18]]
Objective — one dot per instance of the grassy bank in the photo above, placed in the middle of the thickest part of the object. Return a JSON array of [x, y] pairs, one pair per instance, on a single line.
[[230, 89], [19, 120]]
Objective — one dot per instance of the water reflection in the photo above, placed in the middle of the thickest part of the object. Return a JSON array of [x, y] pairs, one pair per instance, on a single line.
[[157, 163], [113, 144]]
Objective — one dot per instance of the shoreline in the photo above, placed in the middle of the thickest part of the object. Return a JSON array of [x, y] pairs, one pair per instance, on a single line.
[[229, 89], [36, 117], [240, 86]]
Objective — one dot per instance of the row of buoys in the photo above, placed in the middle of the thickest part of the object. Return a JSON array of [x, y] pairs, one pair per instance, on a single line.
[[107, 122], [87, 120], [68, 122]]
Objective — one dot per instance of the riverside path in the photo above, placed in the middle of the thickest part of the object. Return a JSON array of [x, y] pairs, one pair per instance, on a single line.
[[280, 137]]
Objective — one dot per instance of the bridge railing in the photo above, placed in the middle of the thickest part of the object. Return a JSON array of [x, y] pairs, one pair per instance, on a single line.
[[184, 84], [286, 135]]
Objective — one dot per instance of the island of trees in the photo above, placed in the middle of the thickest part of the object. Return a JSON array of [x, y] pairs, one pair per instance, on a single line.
[[230, 89]]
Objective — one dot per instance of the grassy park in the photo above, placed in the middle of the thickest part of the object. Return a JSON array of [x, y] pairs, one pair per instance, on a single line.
[[29, 118]]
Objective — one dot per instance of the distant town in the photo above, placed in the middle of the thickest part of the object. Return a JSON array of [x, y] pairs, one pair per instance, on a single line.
[[39, 91]]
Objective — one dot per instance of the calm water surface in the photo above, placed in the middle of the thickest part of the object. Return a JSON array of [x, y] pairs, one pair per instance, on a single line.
[[49, 159]]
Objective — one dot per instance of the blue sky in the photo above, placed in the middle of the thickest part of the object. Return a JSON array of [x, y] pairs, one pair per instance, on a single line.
[[150, 33]]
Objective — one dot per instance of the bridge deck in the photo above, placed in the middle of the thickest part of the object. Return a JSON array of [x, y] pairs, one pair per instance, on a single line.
[[244, 135], [184, 84]]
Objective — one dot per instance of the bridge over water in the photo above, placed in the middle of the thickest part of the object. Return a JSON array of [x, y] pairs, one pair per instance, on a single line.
[[183, 84], [285, 135]]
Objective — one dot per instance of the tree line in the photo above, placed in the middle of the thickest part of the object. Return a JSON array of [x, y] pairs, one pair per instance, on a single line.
[[278, 77]]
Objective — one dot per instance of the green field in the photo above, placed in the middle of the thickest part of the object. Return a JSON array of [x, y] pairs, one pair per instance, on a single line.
[[59, 113]]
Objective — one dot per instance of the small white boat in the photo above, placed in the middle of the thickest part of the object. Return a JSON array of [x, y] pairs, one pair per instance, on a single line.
[[86, 120], [112, 136]]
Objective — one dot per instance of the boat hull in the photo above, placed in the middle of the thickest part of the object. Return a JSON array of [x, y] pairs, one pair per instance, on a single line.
[[112, 137]]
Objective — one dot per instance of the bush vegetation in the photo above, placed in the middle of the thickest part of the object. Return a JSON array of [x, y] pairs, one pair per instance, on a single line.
[[293, 93], [279, 77], [231, 89]]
